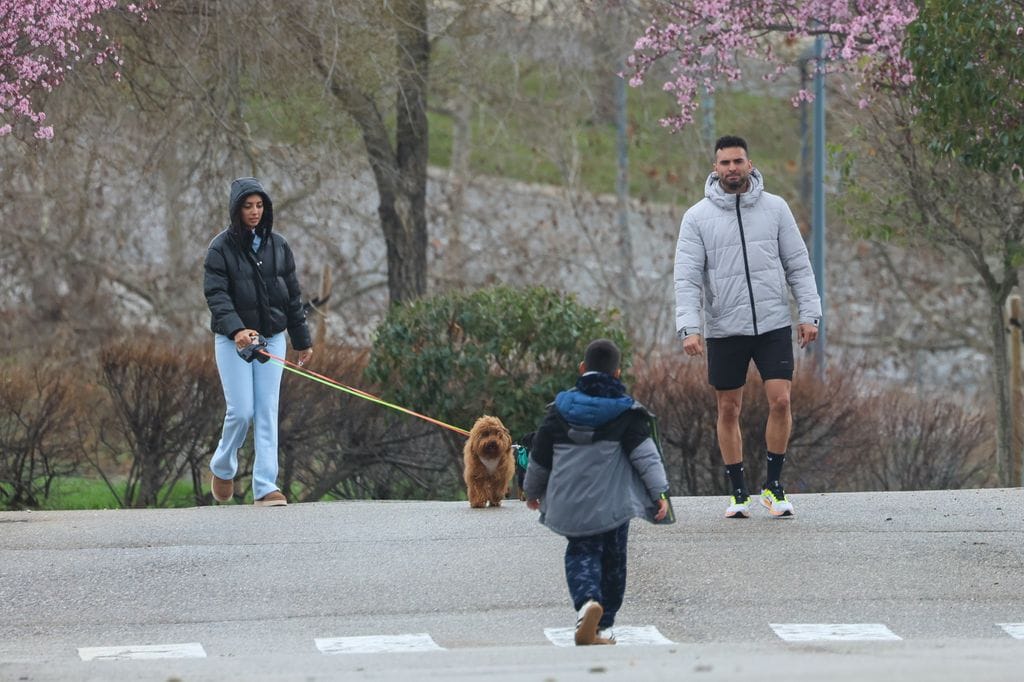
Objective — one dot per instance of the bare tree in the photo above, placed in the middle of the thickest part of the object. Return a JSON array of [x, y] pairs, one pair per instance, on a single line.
[[899, 190]]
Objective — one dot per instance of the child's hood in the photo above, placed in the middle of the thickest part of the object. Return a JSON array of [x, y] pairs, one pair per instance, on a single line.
[[581, 409]]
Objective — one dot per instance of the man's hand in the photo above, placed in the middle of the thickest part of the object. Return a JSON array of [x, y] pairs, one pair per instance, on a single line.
[[806, 334], [533, 504], [694, 344], [662, 507]]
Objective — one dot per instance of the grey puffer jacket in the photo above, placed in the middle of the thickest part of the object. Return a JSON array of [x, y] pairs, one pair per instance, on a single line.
[[593, 465], [737, 258]]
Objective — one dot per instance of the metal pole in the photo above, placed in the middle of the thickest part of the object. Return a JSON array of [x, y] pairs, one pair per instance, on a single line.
[[818, 220], [628, 272], [707, 123], [805, 144]]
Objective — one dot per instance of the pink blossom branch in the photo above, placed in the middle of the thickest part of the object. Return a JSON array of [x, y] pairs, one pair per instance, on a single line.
[[40, 42], [705, 38]]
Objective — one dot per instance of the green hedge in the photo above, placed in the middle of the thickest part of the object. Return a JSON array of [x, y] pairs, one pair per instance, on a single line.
[[499, 351]]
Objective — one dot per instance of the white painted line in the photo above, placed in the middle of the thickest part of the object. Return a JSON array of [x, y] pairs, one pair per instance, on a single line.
[[839, 632], [375, 644], [1015, 630], [626, 635], [139, 652]]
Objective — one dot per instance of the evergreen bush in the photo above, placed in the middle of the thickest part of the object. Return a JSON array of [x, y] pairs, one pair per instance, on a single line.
[[500, 351]]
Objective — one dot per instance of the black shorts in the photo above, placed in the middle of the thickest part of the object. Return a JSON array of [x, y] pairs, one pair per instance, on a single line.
[[729, 358]]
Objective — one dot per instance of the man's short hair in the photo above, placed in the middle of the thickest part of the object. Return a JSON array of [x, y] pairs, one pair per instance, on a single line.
[[728, 141], [602, 355]]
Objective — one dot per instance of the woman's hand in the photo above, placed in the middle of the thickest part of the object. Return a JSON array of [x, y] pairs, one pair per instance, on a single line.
[[246, 337], [304, 357]]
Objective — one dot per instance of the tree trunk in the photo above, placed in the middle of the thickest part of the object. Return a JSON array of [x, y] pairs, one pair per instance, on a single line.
[[407, 239], [1001, 382], [1013, 325], [458, 177], [400, 172]]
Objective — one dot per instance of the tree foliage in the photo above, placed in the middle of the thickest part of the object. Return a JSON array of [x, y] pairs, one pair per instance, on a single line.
[[707, 39], [499, 351], [968, 62], [41, 41]]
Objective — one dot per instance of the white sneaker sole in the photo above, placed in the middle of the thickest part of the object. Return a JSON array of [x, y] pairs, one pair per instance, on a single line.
[[783, 509], [737, 512]]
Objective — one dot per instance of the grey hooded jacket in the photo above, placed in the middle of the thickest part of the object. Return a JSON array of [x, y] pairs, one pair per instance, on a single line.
[[737, 258], [593, 465]]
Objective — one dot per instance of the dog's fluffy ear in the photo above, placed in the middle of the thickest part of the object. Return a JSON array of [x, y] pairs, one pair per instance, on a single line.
[[488, 421]]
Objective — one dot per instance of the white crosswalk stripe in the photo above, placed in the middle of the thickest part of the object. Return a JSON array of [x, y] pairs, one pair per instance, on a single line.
[[844, 632], [626, 635], [141, 652], [374, 644], [1015, 630]]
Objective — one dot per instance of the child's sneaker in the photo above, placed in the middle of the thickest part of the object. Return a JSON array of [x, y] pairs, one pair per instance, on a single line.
[[774, 498], [739, 507], [605, 636], [586, 623]]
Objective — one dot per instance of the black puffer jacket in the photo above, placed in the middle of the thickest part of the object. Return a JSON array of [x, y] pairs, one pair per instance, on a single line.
[[253, 290]]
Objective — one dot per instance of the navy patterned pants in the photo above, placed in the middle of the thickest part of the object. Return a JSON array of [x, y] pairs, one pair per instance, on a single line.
[[595, 568]]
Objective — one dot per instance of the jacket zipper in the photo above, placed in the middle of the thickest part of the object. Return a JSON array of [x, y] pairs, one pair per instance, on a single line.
[[746, 264], [261, 284]]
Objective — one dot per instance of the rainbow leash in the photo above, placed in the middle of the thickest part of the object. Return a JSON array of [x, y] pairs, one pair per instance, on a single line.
[[327, 381]]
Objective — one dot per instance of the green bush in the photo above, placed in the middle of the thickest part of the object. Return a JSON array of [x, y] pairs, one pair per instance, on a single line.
[[499, 351]]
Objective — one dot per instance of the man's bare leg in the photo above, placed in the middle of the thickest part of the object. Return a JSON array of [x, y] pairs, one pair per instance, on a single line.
[[730, 442]]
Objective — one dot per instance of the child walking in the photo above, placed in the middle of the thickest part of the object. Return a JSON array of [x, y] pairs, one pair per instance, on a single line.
[[593, 467]]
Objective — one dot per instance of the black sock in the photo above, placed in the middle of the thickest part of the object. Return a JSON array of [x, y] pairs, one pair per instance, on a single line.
[[737, 485], [775, 463]]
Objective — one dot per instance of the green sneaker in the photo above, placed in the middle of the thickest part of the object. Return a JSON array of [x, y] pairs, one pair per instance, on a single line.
[[739, 507], [773, 497]]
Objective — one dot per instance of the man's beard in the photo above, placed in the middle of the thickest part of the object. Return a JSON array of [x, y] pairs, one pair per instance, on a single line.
[[735, 183]]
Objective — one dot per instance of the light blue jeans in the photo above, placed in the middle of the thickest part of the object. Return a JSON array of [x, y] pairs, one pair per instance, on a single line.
[[251, 391]]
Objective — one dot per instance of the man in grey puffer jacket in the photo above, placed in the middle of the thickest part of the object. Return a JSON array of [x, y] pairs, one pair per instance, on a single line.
[[739, 255]]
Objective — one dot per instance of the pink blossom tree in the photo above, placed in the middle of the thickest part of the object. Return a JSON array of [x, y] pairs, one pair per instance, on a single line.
[[706, 40], [40, 42]]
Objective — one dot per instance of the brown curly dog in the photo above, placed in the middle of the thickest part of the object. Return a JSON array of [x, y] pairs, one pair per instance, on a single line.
[[489, 462]]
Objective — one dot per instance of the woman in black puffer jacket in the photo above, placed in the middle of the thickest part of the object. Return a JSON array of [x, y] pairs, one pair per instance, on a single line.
[[252, 290]]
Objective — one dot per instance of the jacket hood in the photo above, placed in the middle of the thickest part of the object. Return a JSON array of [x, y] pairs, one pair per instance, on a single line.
[[240, 189], [714, 191], [581, 409]]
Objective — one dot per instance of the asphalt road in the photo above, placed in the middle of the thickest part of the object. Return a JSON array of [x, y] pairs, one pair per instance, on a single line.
[[890, 586]]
